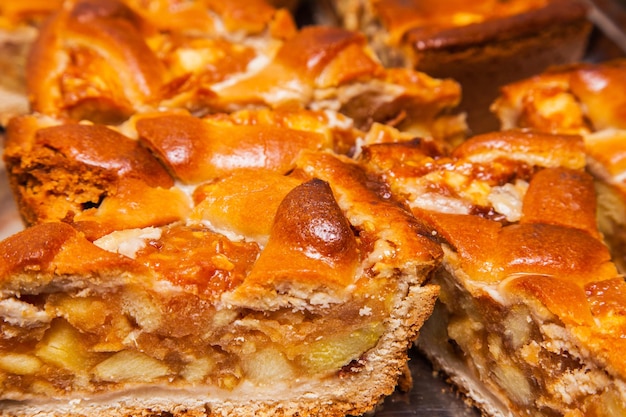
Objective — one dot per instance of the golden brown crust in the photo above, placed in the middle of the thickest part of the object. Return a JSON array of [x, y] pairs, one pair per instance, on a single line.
[[492, 253], [72, 169], [582, 98], [518, 323], [494, 22], [133, 72], [317, 249], [357, 390], [53, 248], [535, 148], [483, 45], [587, 93], [370, 200], [332, 232], [564, 197], [263, 296], [321, 66], [196, 151], [220, 202], [104, 61], [117, 58]]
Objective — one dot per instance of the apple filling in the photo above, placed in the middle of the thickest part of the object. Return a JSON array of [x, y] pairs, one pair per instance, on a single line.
[[77, 341], [521, 353]]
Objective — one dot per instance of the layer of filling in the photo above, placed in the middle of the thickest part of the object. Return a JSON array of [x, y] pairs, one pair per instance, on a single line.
[[521, 353], [176, 331]]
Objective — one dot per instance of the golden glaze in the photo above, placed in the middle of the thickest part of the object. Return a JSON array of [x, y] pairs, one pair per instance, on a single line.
[[586, 99], [243, 202], [196, 151], [581, 98], [516, 214], [104, 61], [241, 174], [400, 17], [86, 172], [561, 196], [311, 249], [52, 248]]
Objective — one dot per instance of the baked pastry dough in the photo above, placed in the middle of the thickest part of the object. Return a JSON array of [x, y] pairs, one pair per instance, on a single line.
[[481, 44], [20, 23], [232, 216], [229, 265], [530, 316], [585, 99], [90, 174], [193, 163], [104, 61]]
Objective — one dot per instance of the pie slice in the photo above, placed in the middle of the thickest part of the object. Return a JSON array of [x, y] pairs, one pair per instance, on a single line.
[[104, 61], [234, 265], [584, 99], [481, 44], [530, 318]]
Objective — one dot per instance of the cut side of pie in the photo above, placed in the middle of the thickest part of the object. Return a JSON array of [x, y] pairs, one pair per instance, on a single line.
[[229, 215], [229, 265], [201, 240], [530, 318], [308, 308]]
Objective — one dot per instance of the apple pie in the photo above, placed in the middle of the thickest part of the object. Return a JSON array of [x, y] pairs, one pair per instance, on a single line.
[[200, 239], [228, 215], [232, 265], [585, 99], [104, 61], [481, 44], [530, 318]]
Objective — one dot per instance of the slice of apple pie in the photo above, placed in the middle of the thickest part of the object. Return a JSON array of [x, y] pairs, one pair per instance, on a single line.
[[232, 265], [531, 315], [482, 44], [585, 99], [105, 60]]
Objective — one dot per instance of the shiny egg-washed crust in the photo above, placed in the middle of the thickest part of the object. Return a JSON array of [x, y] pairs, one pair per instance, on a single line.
[[89, 174], [103, 61], [260, 201], [585, 99], [530, 299], [20, 24], [482, 44]]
